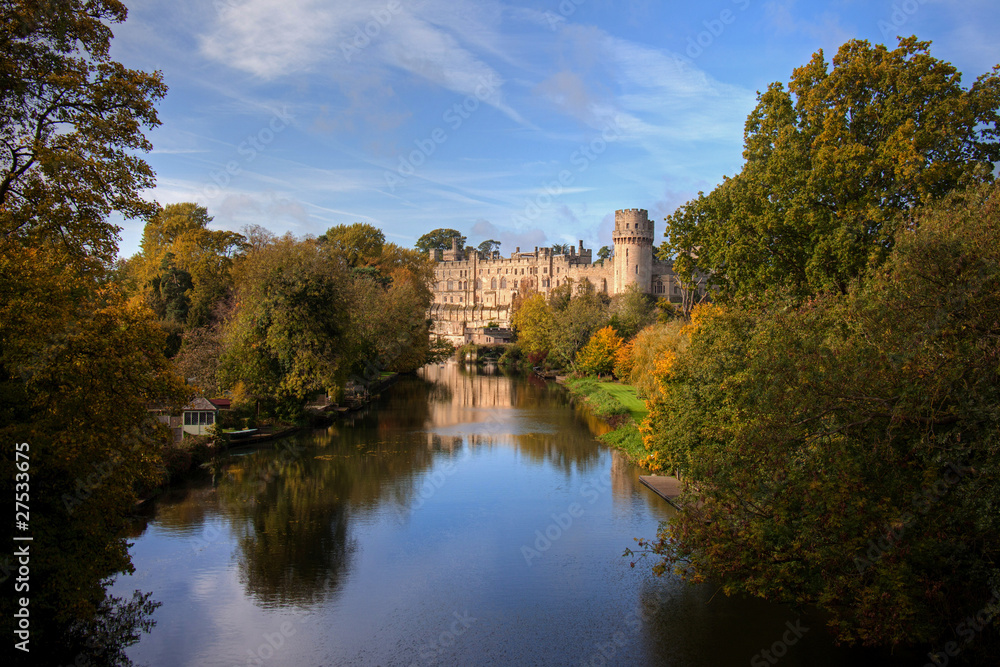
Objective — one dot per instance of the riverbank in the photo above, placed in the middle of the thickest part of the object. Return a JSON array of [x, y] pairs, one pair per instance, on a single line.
[[620, 407], [198, 455]]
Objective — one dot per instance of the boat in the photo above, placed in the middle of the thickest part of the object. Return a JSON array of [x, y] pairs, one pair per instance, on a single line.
[[238, 435]]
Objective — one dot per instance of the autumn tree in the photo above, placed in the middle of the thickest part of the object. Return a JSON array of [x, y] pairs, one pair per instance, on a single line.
[[597, 357], [831, 163], [845, 453], [79, 360], [177, 240], [439, 239], [534, 324], [71, 123]]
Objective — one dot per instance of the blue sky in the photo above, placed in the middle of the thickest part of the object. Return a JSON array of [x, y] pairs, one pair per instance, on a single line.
[[525, 122]]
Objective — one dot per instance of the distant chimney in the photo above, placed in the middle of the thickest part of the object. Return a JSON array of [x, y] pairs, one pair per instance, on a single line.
[[517, 250]]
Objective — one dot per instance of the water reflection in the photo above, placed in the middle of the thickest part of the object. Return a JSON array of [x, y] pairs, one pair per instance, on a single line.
[[387, 526]]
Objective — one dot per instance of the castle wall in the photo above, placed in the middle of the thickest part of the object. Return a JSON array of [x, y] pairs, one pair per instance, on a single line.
[[472, 292]]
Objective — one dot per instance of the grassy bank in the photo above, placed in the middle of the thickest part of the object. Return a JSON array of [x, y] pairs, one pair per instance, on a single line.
[[620, 407]]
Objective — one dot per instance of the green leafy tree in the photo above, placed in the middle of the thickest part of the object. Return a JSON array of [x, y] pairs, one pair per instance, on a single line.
[[604, 253], [831, 163], [534, 324], [289, 334], [583, 314], [439, 239], [631, 311], [845, 453], [487, 248], [360, 244]]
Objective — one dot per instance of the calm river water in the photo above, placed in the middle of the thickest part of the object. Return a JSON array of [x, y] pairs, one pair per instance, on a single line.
[[467, 519]]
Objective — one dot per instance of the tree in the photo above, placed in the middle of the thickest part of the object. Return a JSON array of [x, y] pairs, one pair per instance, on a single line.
[[289, 336], [359, 244], [831, 164], [604, 253], [71, 122], [845, 453], [78, 364], [631, 311], [389, 324], [177, 241], [487, 248], [597, 357], [533, 323], [79, 361], [625, 361], [439, 239], [584, 313]]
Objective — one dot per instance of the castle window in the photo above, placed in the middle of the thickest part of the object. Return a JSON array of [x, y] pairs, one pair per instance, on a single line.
[[545, 269], [503, 283], [636, 269], [450, 283], [493, 284]]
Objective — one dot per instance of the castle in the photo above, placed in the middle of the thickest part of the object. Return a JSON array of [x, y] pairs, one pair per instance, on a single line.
[[472, 291]]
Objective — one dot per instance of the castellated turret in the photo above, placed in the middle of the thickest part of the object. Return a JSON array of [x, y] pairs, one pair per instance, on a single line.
[[633, 239]]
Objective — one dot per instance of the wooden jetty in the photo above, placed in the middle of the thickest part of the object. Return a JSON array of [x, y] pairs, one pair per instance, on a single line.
[[665, 486]]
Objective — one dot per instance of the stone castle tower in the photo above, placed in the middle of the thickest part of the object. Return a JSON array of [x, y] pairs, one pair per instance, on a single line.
[[633, 239]]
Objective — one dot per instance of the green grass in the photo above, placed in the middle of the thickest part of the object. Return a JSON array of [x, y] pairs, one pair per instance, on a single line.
[[628, 440], [608, 400], [601, 403], [625, 394]]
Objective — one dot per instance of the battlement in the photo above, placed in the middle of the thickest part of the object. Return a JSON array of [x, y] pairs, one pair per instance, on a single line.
[[632, 223]]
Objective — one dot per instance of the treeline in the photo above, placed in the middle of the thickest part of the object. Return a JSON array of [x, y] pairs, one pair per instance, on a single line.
[[272, 320], [88, 344], [580, 329], [836, 414]]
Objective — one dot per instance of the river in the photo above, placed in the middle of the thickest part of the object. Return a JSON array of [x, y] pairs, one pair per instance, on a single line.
[[467, 518]]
